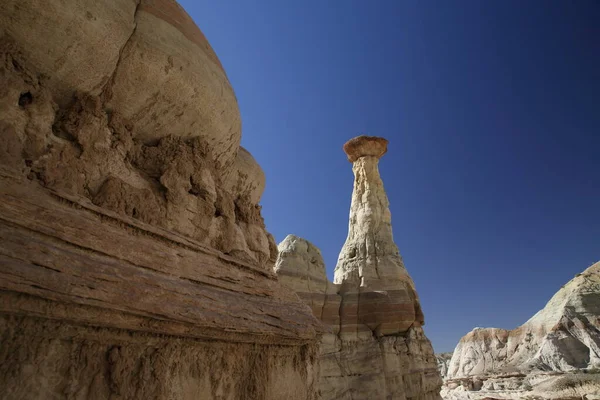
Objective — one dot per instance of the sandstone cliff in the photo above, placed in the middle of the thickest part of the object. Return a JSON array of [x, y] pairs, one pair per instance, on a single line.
[[134, 261], [561, 341], [376, 348]]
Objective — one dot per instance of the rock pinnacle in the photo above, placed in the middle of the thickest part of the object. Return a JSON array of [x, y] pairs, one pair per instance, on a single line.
[[369, 264]]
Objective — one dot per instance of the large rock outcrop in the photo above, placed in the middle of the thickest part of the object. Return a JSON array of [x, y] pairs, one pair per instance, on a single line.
[[561, 340], [134, 261], [376, 348]]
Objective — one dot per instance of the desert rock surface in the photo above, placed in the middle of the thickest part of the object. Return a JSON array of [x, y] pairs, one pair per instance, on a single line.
[[556, 354], [376, 347], [134, 261], [443, 360]]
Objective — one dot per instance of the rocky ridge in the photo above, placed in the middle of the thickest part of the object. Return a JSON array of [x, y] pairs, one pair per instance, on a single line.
[[134, 261], [376, 347], [555, 354]]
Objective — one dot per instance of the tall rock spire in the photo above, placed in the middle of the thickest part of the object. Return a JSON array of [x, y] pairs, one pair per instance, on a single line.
[[375, 347], [378, 292]]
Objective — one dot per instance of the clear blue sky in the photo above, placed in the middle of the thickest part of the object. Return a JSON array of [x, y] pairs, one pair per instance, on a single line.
[[492, 110]]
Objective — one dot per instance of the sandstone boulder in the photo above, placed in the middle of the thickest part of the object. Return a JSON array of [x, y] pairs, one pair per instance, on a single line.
[[141, 120], [146, 58]]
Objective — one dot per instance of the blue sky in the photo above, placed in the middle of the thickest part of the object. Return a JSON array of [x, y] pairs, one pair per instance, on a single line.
[[492, 110]]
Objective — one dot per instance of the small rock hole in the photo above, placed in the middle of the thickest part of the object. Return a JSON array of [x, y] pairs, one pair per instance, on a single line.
[[25, 99], [352, 252]]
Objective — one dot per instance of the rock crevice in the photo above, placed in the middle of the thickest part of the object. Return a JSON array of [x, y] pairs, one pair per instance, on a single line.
[[107, 90]]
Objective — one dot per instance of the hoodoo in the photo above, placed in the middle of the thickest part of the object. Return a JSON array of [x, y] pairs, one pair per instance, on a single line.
[[376, 348], [379, 295]]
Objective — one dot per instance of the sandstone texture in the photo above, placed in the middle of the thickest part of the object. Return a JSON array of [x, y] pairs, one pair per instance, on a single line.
[[554, 354], [376, 347], [134, 261]]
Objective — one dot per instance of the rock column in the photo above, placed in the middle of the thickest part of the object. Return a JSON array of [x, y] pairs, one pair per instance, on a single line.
[[378, 294], [375, 347]]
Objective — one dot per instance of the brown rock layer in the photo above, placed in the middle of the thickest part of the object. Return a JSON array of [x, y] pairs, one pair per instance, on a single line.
[[362, 146], [397, 366], [134, 261]]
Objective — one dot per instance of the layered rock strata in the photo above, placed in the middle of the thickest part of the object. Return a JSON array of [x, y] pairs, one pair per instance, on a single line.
[[376, 348], [134, 261], [561, 341]]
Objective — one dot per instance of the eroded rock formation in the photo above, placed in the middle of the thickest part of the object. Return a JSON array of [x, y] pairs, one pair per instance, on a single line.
[[376, 348], [443, 360], [134, 261], [560, 343]]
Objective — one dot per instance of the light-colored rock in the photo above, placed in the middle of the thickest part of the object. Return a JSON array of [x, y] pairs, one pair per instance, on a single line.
[[534, 386], [443, 360], [370, 270], [563, 337], [134, 261], [376, 347]]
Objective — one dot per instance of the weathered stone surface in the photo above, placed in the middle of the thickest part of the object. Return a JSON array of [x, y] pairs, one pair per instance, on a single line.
[[370, 269], [74, 45], [540, 385], [563, 337], [351, 367], [146, 58], [44, 359], [443, 360], [376, 347], [245, 177], [134, 261], [182, 172], [300, 267]]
